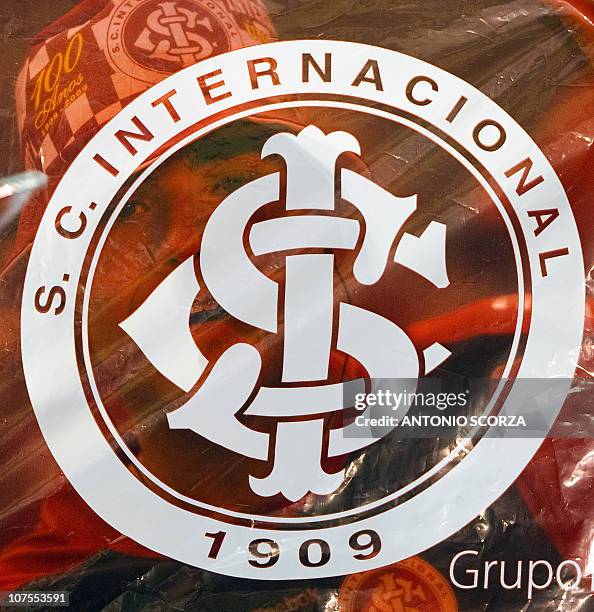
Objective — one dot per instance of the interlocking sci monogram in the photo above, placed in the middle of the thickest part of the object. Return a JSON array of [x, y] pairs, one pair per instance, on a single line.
[[178, 34], [161, 329]]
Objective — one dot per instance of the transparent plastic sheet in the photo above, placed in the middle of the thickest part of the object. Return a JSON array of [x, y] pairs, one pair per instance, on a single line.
[[534, 59]]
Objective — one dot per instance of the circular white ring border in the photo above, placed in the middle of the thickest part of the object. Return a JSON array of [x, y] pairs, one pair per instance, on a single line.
[[48, 346]]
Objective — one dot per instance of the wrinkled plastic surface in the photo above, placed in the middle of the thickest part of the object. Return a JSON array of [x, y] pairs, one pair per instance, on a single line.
[[535, 59]]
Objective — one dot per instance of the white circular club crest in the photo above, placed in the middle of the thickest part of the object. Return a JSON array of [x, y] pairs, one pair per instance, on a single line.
[[456, 117]]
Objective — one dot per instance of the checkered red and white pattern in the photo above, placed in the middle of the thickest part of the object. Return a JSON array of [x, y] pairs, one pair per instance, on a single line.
[[51, 140]]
